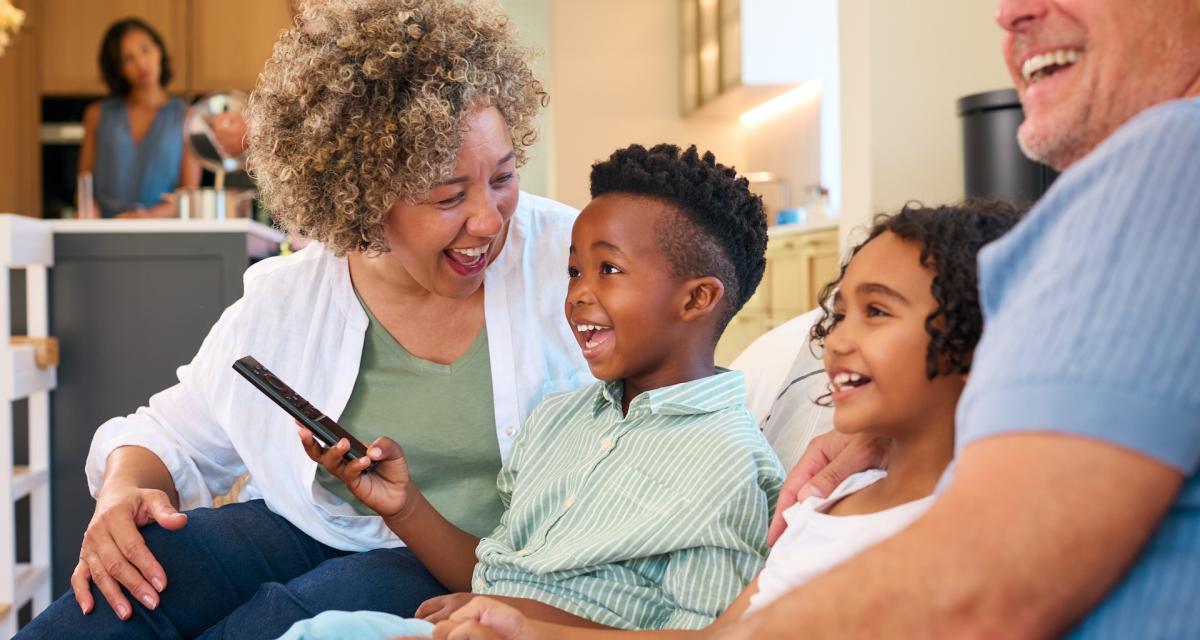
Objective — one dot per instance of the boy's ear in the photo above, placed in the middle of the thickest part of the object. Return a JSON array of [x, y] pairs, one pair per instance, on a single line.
[[701, 297]]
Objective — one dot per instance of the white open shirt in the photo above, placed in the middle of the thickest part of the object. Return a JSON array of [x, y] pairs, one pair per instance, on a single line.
[[300, 318]]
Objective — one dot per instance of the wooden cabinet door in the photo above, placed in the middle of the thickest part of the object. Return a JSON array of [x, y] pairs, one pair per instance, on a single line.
[[789, 275], [20, 113], [743, 329], [801, 265], [72, 31], [232, 40], [824, 264]]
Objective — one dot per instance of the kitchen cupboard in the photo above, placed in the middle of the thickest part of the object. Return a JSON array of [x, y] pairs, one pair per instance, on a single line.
[[119, 342], [214, 44], [799, 264], [232, 40], [732, 51], [72, 31], [20, 111]]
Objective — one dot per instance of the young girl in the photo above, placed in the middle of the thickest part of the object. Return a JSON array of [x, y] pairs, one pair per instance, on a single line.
[[900, 325]]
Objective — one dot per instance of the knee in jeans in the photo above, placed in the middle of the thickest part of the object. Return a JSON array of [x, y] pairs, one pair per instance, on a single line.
[[201, 523]]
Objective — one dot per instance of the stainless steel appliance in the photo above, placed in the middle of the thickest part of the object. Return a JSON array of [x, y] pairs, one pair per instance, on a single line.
[[61, 135]]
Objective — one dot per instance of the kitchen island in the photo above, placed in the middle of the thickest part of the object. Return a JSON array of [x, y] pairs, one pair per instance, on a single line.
[[130, 301]]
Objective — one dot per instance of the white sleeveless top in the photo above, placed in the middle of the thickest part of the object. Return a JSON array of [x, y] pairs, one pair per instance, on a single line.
[[814, 541]]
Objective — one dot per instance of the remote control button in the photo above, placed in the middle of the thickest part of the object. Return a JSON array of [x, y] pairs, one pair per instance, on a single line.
[[277, 383], [310, 411]]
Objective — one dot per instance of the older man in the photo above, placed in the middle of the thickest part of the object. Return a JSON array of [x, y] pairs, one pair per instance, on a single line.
[[1074, 502]]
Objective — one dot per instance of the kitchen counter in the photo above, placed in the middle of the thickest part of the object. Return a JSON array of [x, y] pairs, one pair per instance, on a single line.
[[779, 230], [261, 240]]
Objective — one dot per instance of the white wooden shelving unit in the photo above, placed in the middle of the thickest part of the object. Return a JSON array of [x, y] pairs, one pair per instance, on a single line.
[[26, 244]]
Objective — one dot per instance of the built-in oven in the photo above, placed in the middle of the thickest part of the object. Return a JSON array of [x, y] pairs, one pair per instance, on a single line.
[[61, 136]]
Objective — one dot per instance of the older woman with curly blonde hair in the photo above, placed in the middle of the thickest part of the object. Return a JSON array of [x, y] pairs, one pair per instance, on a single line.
[[428, 310]]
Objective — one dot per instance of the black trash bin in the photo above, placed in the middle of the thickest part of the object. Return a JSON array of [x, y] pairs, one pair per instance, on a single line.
[[993, 164]]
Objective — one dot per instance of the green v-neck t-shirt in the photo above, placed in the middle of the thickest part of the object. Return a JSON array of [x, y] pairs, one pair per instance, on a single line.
[[443, 417]]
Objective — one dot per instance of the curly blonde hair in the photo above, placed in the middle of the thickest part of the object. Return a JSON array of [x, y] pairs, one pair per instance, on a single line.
[[362, 103]]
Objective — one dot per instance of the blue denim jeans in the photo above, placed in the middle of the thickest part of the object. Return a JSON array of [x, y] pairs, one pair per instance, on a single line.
[[242, 571]]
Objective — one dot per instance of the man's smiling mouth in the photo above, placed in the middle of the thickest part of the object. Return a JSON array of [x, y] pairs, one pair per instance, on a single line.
[[1043, 65]]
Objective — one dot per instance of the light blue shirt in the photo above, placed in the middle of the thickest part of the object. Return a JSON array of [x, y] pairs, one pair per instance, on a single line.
[[1092, 310]]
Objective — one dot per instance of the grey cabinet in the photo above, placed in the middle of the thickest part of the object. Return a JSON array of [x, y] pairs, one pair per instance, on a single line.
[[128, 307]]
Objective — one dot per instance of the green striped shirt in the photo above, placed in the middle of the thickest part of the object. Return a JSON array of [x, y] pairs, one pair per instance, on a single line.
[[655, 520]]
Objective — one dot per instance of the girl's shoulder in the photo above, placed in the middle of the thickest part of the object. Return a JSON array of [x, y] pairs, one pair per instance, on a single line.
[[847, 488]]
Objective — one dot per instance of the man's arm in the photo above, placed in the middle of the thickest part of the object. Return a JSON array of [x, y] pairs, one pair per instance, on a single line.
[[1032, 532]]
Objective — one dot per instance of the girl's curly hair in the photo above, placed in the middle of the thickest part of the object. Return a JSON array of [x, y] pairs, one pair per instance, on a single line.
[[362, 103], [950, 238]]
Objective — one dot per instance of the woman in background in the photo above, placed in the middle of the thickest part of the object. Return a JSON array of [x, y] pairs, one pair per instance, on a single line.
[[133, 139]]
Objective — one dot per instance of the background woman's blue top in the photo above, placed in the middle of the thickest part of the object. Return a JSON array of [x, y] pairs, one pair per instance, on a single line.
[[128, 175]]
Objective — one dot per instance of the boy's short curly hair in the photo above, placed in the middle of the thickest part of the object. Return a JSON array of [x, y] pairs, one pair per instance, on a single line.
[[950, 238], [362, 103], [725, 230]]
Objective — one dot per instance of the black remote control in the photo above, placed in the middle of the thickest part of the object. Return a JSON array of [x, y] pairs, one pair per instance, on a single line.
[[322, 426]]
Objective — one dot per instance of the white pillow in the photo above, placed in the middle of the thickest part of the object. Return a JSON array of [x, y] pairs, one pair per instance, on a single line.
[[783, 380]]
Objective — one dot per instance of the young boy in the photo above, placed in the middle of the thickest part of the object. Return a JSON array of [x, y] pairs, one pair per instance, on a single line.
[[897, 334], [641, 501]]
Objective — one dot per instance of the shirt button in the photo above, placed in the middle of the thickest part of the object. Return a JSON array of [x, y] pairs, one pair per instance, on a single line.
[[569, 503], [606, 443], [523, 552], [480, 584], [509, 431]]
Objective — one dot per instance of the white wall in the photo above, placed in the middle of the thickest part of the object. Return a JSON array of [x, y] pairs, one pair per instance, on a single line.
[[532, 21], [903, 67], [615, 81], [791, 41], [612, 68], [789, 145]]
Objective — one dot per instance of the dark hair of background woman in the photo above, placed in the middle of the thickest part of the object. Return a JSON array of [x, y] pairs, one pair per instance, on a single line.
[[110, 55]]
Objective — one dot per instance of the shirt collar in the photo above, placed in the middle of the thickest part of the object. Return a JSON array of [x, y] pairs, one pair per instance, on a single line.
[[722, 390]]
